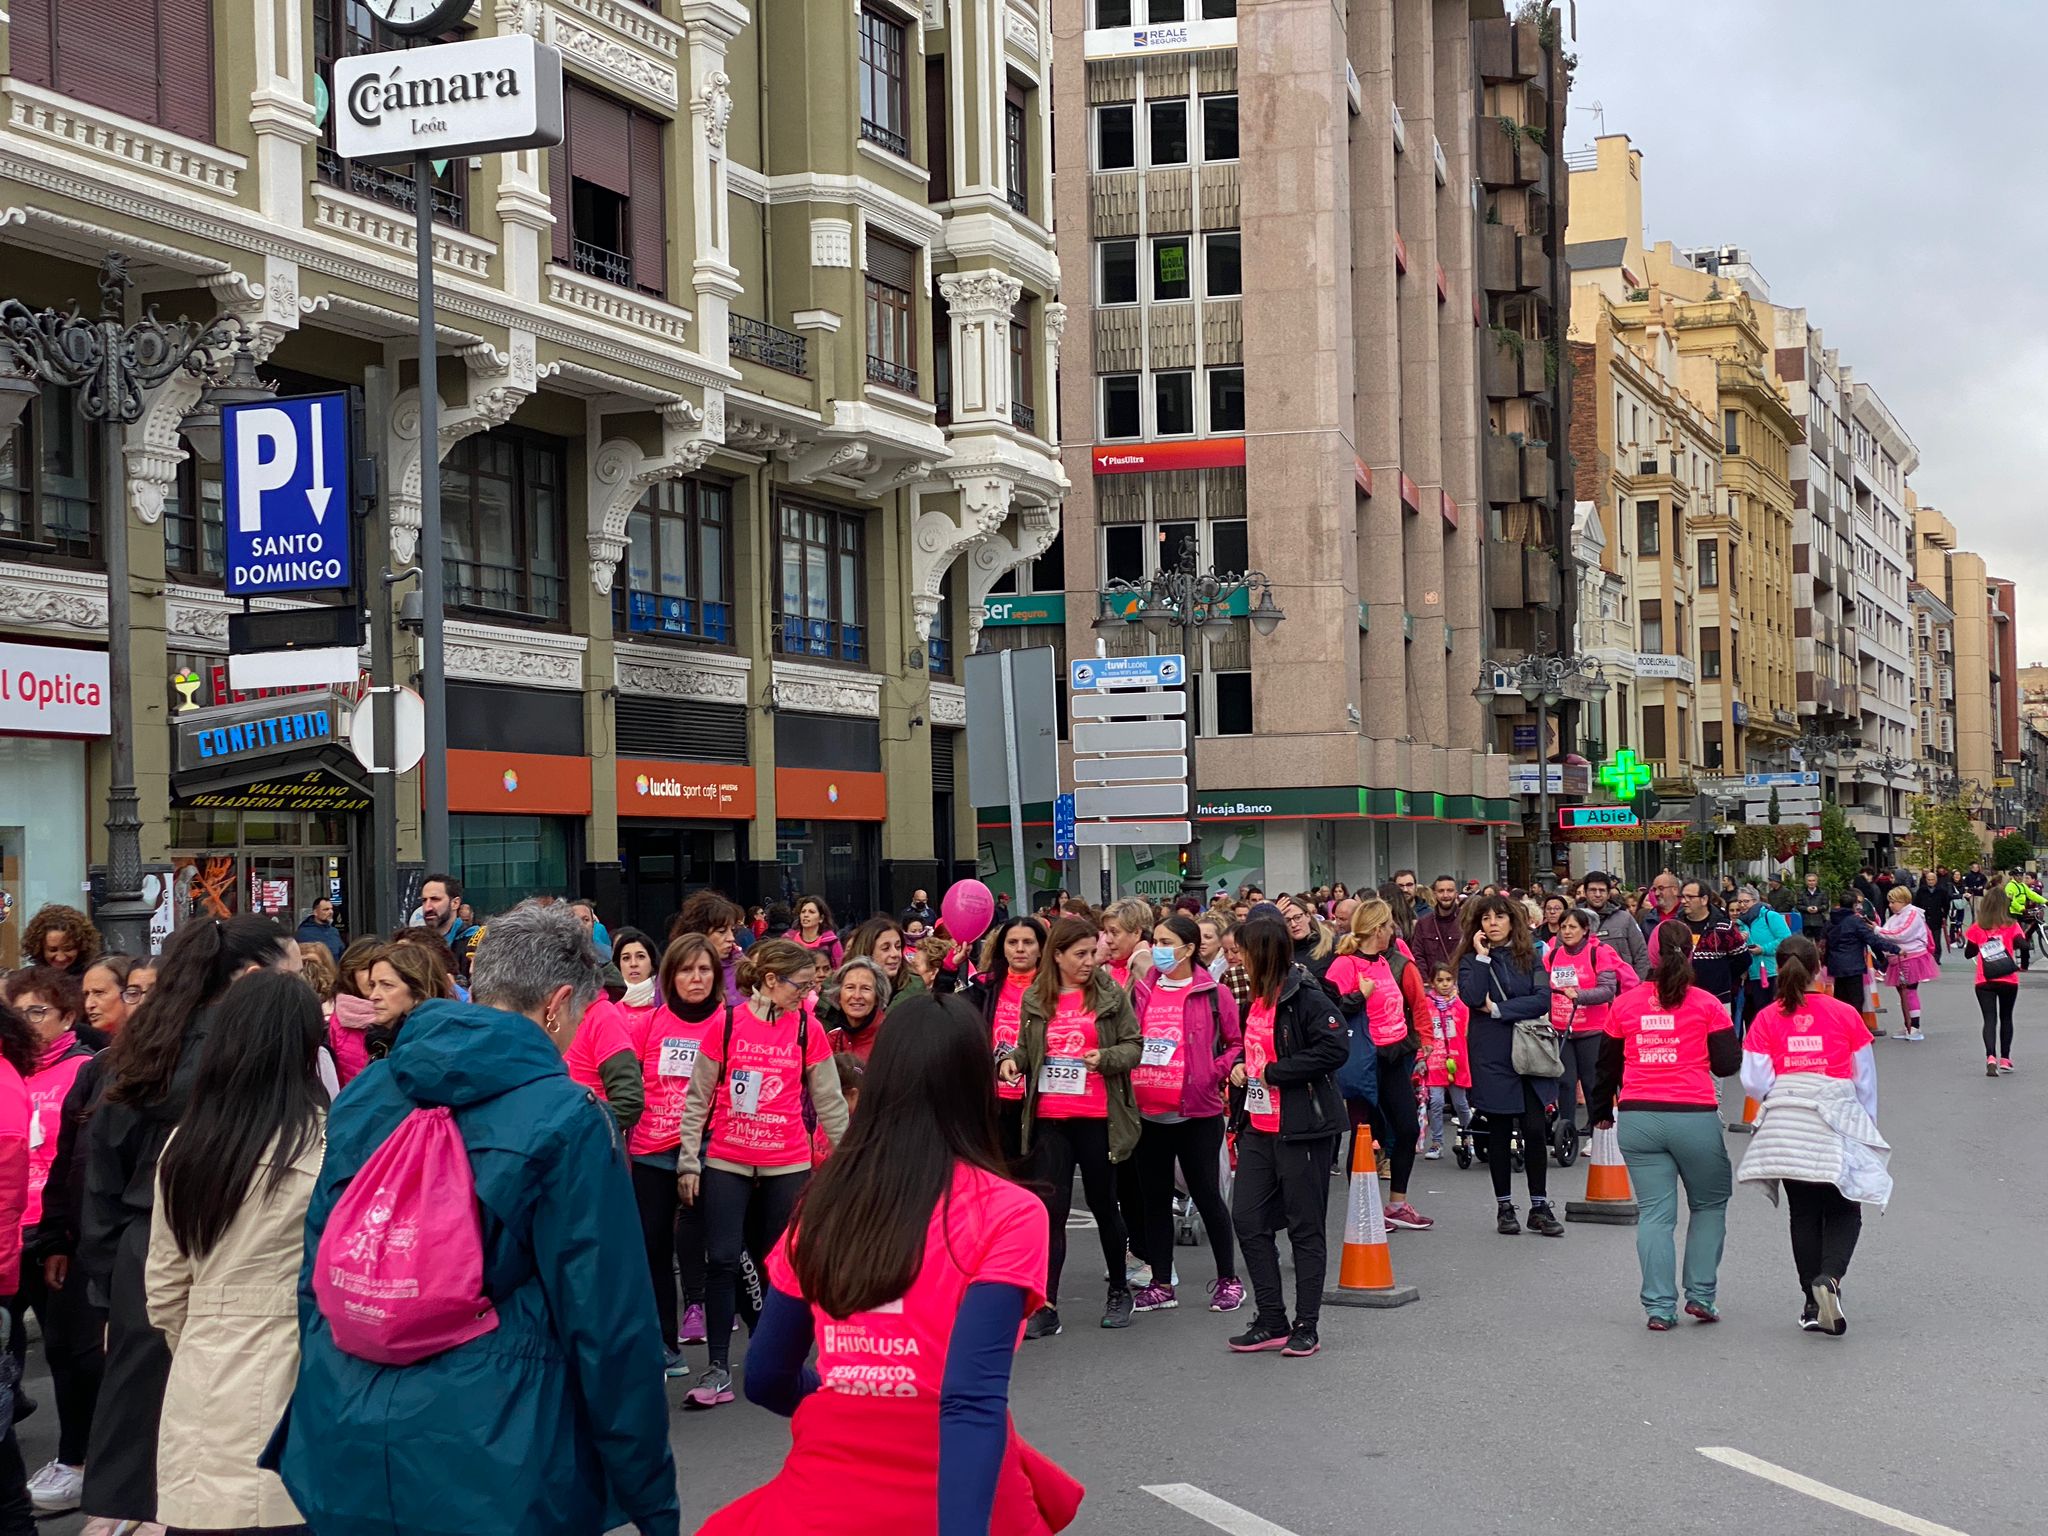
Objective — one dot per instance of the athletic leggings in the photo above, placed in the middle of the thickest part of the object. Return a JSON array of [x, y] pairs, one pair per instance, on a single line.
[[1399, 1121], [1059, 1147], [1849, 989], [1994, 1001], [732, 1203], [1825, 1226], [1500, 1161], [72, 1328], [1581, 1053], [1197, 1145], [671, 1231]]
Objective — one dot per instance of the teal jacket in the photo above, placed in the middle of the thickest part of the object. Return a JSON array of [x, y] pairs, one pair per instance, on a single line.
[[1767, 930], [555, 1424]]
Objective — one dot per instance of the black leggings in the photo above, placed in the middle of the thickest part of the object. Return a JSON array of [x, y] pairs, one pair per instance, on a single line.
[[1849, 989], [1581, 1055], [72, 1328], [1825, 1226], [741, 1210], [1197, 1145], [671, 1231], [1994, 1001], [1284, 1186], [1061, 1146], [1535, 1128], [1397, 1119]]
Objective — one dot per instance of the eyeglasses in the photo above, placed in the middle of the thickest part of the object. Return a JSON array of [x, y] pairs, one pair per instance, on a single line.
[[35, 1013], [134, 994]]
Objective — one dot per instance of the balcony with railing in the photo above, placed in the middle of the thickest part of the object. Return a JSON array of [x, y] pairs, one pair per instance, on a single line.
[[504, 589], [606, 266], [819, 639], [390, 186], [1020, 200], [680, 618], [891, 375], [888, 138], [1023, 417], [756, 341]]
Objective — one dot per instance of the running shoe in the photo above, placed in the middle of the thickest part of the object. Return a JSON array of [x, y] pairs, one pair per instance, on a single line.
[[1433, 1153], [1703, 1311], [1543, 1220], [1137, 1273], [1809, 1318], [1226, 1293], [2004, 1065], [1154, 1298], [1991, 1066], [57, 1489], [1827, 1301], [1405, 1215], [1662, 1324], [1508, 1226], [1043, 1324], [674, 1367], [714, 1389], [1902, 1034], [1916, 1035], [1259, 1338], [1301, 1344], [1118, 1313], [693, 1323]]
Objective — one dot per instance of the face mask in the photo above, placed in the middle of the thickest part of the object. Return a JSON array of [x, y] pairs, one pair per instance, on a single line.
[[1165, 956]]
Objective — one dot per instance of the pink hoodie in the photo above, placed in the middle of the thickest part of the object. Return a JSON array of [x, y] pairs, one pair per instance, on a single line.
[[1211, 1035], [345, 1026], [14, 1123]]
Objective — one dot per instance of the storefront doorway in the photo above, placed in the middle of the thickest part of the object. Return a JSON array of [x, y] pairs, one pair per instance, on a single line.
[[839, 860], [665, 861], [271, 863]]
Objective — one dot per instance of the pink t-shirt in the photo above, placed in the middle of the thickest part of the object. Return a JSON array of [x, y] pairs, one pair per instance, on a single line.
[[2007, 937], [757, 1110], [1162, 1069], [1664, 1050], [987, 1232], [46, 1091], [1386, 1011], [1067, 1090], [1821, 1035], [599, 1038], [1262, 1104], [668, 1055], [1009, 1006]]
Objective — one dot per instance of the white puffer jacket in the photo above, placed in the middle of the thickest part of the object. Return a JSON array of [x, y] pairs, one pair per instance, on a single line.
[[1813, 1128]]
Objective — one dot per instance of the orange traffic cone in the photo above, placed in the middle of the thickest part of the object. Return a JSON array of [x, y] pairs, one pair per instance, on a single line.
[[1747, 1125], [1610, 1199], [1873, 1003], [1365, 1273]]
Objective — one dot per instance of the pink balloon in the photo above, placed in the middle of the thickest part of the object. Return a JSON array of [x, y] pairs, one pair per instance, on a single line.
[[968, 908]]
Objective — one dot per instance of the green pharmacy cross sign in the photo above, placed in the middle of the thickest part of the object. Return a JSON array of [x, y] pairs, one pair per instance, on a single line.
[[1626, 774]]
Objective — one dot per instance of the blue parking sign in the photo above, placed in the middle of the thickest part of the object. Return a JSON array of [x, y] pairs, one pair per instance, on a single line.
[[285, 490], [1063, 827]]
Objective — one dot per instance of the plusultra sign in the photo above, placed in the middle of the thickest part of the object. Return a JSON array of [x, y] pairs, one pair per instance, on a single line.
[[469, 98]]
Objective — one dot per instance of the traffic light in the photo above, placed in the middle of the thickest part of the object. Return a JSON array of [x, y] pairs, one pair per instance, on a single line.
[[1183, 863]]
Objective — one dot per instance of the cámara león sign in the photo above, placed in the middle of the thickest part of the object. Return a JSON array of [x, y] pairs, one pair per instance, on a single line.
[[470, 98]]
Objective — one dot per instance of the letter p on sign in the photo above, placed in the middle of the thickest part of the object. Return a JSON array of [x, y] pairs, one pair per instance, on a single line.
[[267, 455]]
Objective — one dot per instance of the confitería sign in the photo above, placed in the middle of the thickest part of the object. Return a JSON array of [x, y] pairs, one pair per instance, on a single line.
[[471, 98]]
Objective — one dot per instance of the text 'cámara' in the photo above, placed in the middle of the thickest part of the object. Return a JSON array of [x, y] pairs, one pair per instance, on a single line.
[[374, 95]]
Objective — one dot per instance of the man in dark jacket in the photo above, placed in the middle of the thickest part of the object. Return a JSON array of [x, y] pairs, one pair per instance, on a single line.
[[1720, 949], [317, 927], [1813, 908], [1438, 931], [1617, 928]]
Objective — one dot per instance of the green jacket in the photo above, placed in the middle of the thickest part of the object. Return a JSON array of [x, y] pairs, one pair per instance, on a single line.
[[2022, 895], [1116, 1030]]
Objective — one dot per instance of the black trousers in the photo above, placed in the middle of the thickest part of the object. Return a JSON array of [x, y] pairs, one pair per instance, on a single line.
[[17, 1511], [661, 1217], [1994, 1002], [1581, 1055], [1500, 1158], [1849, 989], [1197, 1145], [743, 1213], [1284, 1184], [1825, 1226], [1397, 1118], [72, 1330], [1058, 1148]]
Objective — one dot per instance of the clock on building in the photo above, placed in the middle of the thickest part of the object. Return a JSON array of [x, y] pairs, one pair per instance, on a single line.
[[417, 18]]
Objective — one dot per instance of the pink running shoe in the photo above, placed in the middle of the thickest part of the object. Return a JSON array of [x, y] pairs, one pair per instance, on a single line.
[[693, 1323], [1154, 1298], [1405, 1215], [1226, 1294]]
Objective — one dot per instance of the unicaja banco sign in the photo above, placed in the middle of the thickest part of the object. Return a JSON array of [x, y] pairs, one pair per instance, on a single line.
[[471, 98]]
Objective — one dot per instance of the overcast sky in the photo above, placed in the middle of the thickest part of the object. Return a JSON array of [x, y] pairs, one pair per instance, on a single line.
[[1882, 162]]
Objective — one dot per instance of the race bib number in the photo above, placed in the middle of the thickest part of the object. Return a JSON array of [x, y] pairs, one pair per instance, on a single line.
[[1258, 1098], [678, 1058], [35, 1130], [1063, 1075], [1563, 976], [1992, 949], [1158, 1052], [743, 1086]]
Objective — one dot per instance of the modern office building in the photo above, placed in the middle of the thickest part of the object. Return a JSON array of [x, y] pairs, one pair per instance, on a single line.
[[747, 404]]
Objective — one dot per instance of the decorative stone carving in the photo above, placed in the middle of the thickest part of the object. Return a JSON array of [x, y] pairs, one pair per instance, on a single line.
[[983, 295], [499, 383], [831, 243], [1055, 329], [519, 16], [128, 147], [716, 105], [756, 434], [153, 448], [823, 691], [949, 704], [939, 537], [484, 654], [32, 597], [1036, 524], [199, 621], [621, 61], [711, 679], [620, 474]]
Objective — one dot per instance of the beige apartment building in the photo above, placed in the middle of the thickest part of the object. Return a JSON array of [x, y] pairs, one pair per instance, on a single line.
[[747, 404], [1958, 579]]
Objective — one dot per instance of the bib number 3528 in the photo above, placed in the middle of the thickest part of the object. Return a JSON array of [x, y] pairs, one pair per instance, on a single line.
[[1064, 1075]]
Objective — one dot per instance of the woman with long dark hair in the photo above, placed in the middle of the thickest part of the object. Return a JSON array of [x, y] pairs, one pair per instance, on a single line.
[[1288, 1128], [149, 1073], [1009, 964], [880, 939], [1501, 982], [1807, 1061], [910, 1265], [226, 1241], [1667, 1040], [813, 928]]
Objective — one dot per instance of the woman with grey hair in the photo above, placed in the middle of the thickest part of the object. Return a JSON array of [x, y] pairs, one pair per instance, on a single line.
[[851, 1005], [556, 1420]]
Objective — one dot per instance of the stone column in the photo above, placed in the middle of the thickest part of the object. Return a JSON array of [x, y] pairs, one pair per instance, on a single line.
[[711, 25], [982, 304]]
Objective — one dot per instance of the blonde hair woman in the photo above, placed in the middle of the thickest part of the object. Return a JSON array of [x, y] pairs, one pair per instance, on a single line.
[[1127, 924]]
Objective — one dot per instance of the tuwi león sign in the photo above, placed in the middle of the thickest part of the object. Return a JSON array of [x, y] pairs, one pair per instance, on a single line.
[[453, 99]]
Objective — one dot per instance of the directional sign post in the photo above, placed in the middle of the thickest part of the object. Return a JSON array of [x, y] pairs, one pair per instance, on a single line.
[[286, 492], [1063, 828], [1127, 672]]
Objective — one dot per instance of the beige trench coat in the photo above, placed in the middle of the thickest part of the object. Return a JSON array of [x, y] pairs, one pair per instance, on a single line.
[[231, 1320]]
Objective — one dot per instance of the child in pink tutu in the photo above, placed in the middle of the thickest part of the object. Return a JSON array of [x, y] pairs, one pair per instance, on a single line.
[[1915, 963]]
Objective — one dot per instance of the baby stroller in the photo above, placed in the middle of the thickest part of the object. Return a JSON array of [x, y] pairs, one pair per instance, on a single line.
[[1561, 1136], [1958, 920]]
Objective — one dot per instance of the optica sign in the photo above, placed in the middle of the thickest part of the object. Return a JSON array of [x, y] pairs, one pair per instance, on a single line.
[[48, 690], [1138, 458]]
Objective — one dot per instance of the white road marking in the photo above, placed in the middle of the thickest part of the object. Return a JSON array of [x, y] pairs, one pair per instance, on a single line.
[[1220, 1513], [1883, 1514]]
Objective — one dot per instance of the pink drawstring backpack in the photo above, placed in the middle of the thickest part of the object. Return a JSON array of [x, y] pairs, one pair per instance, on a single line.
[[399, 1271]]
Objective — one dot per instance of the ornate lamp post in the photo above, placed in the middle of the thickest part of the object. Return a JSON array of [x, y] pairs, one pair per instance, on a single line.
[[1191, 602], [1542, 681], [1889, 766], [112, 365]]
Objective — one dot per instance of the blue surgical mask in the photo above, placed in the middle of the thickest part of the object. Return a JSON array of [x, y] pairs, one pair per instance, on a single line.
[[1165, 956]]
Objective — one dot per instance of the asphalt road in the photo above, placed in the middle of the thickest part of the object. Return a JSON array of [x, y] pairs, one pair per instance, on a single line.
[[1523, 1394]]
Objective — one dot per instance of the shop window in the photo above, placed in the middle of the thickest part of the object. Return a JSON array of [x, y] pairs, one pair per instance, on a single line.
[[49, 480], [1116, 139], [678, 578], [1117, 282], [1170, 268], [1120, 414], [821, 606], [884, 105], [505, 859], [1173, 404], [1226, 399], [503, 525], [1167, 141], [1222, 258], [1219, 127], [605, 183], [341, 30], [42, 832]]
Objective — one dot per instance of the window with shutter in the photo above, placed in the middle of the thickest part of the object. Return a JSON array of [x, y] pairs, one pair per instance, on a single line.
[[342, 29], [892, 333], [938, 145], [649, 208], [146, 59], [607, 186]]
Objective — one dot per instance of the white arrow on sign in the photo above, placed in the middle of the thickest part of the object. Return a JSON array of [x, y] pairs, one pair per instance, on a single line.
[[1131, 834], [318, 492], [1109, 770], [1132, 800], [1132, 736]]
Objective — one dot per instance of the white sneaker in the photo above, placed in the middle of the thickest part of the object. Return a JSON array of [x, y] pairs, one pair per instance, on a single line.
[[1433, 1154], [1137, 1273], [57, 1489], [1916, 1035]]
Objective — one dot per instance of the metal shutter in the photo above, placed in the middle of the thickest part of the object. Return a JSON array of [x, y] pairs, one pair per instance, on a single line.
[[184, 65], [558, 200], [600, 141], [648, 213], [681, 730], [28, 41], [891, 262], [944, 743]]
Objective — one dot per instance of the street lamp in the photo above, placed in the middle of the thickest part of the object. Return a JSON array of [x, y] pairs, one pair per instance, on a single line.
[[1194, 603], [113, 365], [1889, 765], [1543, 682]]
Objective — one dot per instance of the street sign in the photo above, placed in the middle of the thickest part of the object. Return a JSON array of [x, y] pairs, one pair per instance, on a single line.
[[449, 100], [1132, 736], [1757, 813], [1132, 800], [409, 726], [1809, 779], [286, 494], [1123, 706], [1112, 770], [1133, 834], [1596, 816], [1127, 672], [1063, 827], [993, 717]]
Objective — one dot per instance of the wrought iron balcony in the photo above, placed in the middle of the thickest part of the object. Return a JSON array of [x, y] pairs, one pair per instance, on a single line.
[[756, 341], [888, 138], [606, 266], [891, 375]]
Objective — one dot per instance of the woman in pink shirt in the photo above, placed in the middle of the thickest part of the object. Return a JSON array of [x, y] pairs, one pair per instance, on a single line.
[[813, 929], [1995, 941], [1667, 1040], [1009, 964]]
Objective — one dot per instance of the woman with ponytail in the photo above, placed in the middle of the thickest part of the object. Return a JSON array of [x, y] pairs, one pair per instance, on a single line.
[[1807, 1060], [1667, 1040]]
